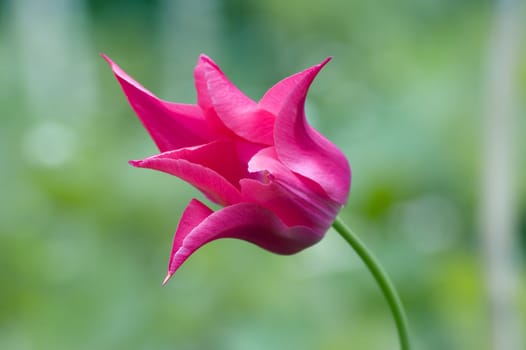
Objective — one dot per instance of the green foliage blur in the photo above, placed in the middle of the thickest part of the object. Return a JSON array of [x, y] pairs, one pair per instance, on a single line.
[[85, 238]]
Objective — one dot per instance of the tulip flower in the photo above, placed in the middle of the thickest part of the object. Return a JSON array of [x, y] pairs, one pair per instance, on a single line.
[[280, 183]]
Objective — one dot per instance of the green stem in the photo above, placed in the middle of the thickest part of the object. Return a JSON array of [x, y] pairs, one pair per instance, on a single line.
[[381, 278]]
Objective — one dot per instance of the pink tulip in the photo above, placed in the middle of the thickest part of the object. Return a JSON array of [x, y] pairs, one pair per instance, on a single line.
[[280, 182]]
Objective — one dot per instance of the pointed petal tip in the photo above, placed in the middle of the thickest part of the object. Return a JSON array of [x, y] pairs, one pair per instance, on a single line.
[[135, 163], [327, 60], [322, 64], [204, 59], [167, 278], [117, 71], [107, 59]]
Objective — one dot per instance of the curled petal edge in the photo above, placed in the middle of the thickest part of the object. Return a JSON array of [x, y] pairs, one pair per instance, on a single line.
[[303, 149], [211, 183], [250, 222]]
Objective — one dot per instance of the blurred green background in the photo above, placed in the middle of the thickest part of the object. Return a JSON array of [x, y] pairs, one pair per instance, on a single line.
[[85, 238]]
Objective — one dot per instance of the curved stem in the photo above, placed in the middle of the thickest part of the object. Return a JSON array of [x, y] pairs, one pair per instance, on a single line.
[[381, 278]]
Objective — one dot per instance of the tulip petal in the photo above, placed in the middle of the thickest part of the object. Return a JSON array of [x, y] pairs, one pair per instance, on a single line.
[[300, 147], [275, 98], [236, 111], [192, 216], [246, 221], [295, 199], [267, 160], [215, 169], [171, 125]]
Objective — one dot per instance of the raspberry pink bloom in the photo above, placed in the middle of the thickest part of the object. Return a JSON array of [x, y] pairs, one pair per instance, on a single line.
[[279, 181]]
